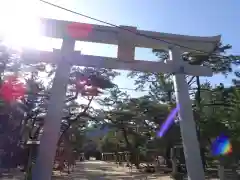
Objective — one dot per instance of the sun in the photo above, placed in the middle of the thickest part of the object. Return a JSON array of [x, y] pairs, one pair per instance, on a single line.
[[19, 23]]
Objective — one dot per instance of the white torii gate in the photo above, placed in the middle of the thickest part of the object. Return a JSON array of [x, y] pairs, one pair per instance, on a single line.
[[126, 41]]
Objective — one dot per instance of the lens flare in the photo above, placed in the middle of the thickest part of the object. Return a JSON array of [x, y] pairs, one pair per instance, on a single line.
[[79, 30], [12, 89], [168, 122], [221, 146]]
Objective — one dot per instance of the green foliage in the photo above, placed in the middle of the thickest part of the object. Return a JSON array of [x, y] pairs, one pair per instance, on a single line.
[[136, 121], [215, 108]]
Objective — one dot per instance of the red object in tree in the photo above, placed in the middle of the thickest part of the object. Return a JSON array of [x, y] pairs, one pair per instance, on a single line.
[[81, 83], [77, 30], [12, 89]]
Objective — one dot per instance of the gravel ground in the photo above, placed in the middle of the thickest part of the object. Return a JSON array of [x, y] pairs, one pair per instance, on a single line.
[[99, 170], [96, 170]]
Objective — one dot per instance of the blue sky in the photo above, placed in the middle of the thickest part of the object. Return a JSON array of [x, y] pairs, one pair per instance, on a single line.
[[203, 18]]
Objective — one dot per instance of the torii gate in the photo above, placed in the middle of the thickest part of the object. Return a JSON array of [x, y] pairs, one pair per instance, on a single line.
[[126, 41]]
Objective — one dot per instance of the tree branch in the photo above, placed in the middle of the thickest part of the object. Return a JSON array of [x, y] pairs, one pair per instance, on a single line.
[[217, 104], [192, 78], [76, 118]]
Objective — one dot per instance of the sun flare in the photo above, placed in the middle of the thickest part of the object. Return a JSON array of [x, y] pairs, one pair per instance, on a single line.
[[19, 23]]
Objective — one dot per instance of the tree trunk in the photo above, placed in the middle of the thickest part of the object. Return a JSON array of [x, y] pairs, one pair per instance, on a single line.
[[133, 151], [168, 156], [227, 169], [199, 109]]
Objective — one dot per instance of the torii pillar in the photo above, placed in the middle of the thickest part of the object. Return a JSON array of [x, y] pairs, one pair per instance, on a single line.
[[187, 124], [126, 42]]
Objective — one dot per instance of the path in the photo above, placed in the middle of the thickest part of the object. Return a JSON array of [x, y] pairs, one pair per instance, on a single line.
[[96, 170], [99, 170]]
